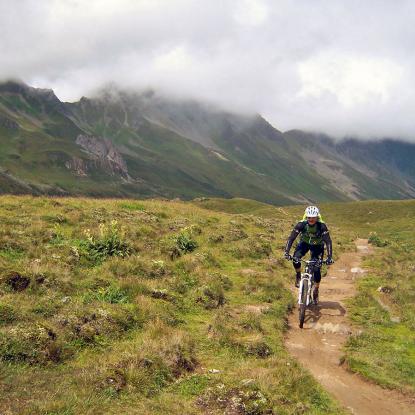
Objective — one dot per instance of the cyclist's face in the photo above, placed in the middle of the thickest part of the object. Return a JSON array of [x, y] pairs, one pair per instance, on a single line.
[[311, 221]]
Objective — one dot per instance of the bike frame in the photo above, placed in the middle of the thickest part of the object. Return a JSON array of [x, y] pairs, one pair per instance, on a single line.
[[308, 274]]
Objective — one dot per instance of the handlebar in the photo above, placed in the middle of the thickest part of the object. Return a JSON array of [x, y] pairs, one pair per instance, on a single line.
[[317, 262]]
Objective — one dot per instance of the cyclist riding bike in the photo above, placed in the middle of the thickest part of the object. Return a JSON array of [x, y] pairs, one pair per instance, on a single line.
[[314, 234]]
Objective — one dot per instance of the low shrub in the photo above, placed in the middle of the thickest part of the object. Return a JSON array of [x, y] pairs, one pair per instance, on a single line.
[[111, 295], [180, 244], [375, 240], [109, 243], [185, 242]]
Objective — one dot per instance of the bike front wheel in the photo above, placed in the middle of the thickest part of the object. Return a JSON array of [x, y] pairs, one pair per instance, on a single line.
[[303, 304]]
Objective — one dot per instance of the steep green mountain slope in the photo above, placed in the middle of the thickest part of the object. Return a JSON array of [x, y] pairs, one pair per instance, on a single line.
[[144, 144], [244, 155], [373, 169]]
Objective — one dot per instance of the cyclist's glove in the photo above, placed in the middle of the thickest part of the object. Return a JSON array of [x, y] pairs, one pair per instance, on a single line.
[[287, 255], [329, 261]]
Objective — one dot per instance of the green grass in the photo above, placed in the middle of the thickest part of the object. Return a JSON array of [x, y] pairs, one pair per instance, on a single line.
[[151, 332], [385, 351], [141, 330]]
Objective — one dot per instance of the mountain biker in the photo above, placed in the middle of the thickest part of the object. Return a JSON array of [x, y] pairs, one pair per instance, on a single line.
[[314, 234]]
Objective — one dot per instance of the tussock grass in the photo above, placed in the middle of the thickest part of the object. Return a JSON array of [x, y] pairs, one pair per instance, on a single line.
[[180, 301]]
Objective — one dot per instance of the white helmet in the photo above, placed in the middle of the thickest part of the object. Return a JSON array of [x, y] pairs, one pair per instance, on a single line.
[[312, 212]]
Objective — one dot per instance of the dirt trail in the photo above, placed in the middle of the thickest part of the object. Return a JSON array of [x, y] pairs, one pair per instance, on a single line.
[[318, 346]]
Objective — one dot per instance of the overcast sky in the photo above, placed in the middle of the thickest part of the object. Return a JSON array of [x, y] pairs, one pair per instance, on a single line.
[[341, 67]]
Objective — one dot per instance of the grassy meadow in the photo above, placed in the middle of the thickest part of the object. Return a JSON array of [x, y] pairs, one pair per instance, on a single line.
[[169, 307]]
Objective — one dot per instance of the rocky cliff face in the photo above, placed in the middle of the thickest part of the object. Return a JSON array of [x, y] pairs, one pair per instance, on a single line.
[[104, 154], [78, 166]]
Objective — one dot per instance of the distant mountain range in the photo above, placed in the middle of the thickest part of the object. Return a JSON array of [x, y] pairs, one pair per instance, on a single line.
[[128, 144]]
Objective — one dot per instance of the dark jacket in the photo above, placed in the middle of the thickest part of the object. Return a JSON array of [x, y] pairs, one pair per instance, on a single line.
[[322, 234]]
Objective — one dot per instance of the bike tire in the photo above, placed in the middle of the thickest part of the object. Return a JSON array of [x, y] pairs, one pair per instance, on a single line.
[[303, 305]]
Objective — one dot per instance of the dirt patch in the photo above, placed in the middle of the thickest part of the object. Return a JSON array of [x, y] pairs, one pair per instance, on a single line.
[[256, 308], [318, 346], [17, 282]]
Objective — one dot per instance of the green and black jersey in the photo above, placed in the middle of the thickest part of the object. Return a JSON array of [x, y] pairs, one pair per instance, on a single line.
[[316, 234]]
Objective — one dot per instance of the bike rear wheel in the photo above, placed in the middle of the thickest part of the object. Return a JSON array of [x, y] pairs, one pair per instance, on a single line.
[[303, 306]]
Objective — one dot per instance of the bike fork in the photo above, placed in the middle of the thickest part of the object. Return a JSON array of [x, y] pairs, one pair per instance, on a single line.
[[300, 290]]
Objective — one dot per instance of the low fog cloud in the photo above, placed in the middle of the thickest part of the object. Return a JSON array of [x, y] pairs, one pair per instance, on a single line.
[[340, 67]]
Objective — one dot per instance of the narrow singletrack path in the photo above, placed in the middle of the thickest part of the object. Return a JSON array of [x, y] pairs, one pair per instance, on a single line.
[[318, 346]]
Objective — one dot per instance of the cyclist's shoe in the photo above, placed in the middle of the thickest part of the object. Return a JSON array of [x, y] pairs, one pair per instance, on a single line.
[[329, 261], [315, 295], [297, 280]]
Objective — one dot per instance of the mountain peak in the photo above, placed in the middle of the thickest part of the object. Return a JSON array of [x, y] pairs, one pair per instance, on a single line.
[[14, 86], [19, 87]]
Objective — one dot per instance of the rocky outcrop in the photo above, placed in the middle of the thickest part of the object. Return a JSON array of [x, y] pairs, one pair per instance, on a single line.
[[78, 166], [104, 153]]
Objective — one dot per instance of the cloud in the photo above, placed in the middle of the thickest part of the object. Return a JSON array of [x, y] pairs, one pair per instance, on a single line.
[[251, 12], [354, 81], [344, 68]]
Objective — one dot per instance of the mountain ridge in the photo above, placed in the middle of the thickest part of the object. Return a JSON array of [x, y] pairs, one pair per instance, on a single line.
[[142, 144]]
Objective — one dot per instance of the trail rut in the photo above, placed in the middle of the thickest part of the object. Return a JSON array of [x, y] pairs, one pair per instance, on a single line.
[[318, 346]]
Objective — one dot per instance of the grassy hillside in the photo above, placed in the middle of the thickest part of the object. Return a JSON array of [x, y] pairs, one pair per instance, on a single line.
[[155, 307], [112, 306]]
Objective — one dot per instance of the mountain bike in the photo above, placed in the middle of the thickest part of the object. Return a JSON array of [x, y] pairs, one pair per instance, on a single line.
[[305, 291]]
